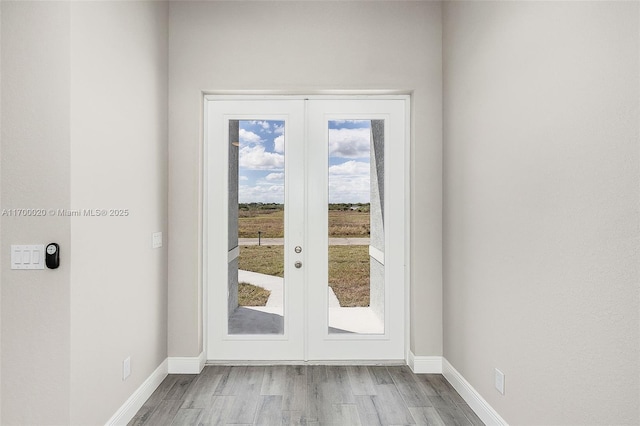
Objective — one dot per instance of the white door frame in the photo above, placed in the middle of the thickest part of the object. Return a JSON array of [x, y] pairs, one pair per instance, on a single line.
[[357, 95]]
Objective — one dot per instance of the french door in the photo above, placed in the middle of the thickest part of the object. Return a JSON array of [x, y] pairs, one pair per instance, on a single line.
[[305, 226]]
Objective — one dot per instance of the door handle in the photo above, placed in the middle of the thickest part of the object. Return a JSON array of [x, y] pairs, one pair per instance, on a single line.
[[298, 264]]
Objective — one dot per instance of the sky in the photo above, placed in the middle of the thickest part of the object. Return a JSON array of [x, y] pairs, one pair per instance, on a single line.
[[262, 160]]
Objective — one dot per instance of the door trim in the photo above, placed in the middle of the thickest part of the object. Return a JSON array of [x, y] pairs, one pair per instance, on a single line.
[[405, 95]]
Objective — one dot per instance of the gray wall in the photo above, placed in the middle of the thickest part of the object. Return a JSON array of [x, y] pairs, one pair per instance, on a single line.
[[118, 160], [35, 157], [84, 113], [303, 46], [541, 207]]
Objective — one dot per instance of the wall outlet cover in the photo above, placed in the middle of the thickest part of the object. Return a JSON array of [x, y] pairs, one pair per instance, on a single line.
[[499, 375], [126, 368]]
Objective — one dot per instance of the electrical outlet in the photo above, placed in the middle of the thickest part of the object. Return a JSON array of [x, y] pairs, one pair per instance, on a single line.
[[126, 368], [500, 381], [156, 240]]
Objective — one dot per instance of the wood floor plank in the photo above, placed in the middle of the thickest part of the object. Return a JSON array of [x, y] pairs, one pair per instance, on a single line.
[[317, 373], [380, 375], [245, 406], [230, 381], [274, 382], [164, 413], [426, 416], [305, 395], [391, 407], [216, 414], [425, 385], [269, 411], [187, 417], [338, 379], [453, 417], [444, 388], [294, 418], [294, 397], [408, 387], [361, 380], [367, 410], [201, 391], [318, 404], [345, 414], [471, 415], [180, 387], [442, 401]]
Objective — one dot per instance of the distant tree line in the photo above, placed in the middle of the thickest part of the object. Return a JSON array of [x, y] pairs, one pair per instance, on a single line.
[[360, 207]]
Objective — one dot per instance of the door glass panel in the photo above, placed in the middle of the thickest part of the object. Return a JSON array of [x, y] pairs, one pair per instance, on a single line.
[[356, 227], [256, 227]]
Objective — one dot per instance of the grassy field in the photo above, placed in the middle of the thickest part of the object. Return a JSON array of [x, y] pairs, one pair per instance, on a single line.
[[251, 295], [348, 269], [270, 222]]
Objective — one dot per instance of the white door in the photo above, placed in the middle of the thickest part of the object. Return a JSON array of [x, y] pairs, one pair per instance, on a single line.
[[305, 236]]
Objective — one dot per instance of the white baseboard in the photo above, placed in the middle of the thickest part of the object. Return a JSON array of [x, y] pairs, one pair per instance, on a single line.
[[140, 396], [187, 365], [487, 414], [424, 364]]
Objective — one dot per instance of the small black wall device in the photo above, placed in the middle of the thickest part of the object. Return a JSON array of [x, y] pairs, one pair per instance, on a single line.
[[52, 256]]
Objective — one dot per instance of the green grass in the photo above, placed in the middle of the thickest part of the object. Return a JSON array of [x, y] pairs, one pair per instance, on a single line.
[[251, 295], [267, 260], [349, 274], [348, 269]]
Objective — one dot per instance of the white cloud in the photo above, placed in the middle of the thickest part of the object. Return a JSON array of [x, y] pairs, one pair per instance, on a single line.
[[278, 144], [255, 158], [279, 130], [264, 124], [350, 121], [243, 178], [261, 193], [275, 176], [349, 182], [351, 168], [349, 143], [249, 137]]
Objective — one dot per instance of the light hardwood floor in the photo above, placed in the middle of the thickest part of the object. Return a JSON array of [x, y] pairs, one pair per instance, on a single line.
[[305, 395]]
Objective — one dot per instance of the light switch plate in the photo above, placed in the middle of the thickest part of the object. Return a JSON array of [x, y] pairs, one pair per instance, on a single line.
[[500, 381], [156, 240], [27, 256], [126, 368]]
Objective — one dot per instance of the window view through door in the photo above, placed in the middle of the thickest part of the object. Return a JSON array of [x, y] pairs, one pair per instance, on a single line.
[[355, 278], [355, 223], [256, 218]]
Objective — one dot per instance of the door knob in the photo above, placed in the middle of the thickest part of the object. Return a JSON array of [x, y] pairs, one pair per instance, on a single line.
[[298, 264]]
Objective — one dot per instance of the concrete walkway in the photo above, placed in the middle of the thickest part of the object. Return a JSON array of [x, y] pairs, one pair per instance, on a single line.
[[268, 319], [280, 241]]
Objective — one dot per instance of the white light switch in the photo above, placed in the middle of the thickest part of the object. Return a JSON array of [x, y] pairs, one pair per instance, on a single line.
[[27, 256], [156, 240]]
